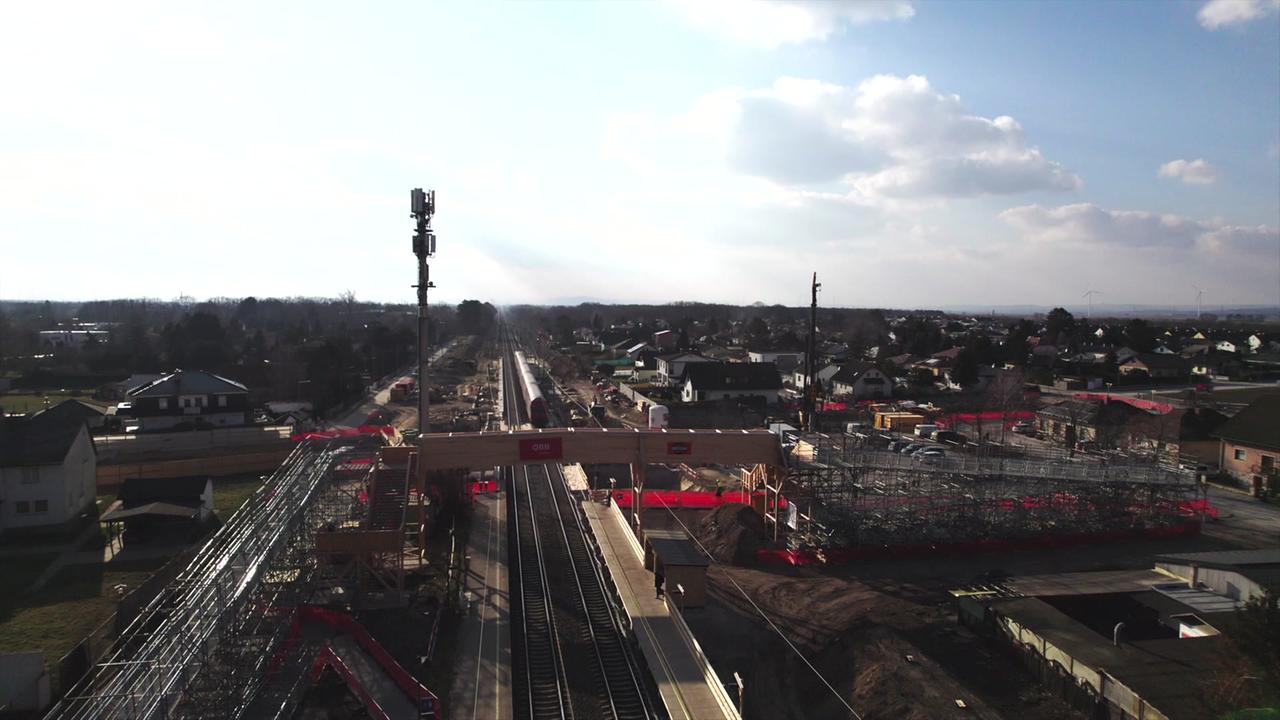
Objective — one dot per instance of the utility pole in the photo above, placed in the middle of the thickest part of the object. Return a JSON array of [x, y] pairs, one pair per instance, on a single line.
[[423, 207], [810, 362]]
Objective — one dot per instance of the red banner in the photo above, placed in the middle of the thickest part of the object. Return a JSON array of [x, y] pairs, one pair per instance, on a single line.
[[679, 448], [551, 448]]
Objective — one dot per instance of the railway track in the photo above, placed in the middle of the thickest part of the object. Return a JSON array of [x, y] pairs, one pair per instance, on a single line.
[[574, 657]]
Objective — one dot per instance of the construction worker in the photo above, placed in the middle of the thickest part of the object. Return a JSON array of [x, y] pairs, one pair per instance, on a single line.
[[719, 486]]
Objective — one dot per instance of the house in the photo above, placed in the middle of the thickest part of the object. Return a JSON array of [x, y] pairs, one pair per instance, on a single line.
[[672, 366], [861, 380], [635, 350], [786, 361], [1226, 346], [716, 381], [48, 468], [1180, 434], [1251, 444], [665, 340], [117, 391], [1155, 368], [185, 399], [72, 338], [823, 374], [1095, 421], [1216, 364], [173, 509]]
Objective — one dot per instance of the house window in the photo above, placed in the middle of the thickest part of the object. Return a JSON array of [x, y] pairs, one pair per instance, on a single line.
[[1240, 454], [164, 403], [42, 506], [30, 475], [22, 507], [222, 401], [186, 402]]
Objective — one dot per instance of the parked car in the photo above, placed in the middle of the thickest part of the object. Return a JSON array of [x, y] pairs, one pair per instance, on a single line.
[[931, 450], [897, 445], [950, 436], [910, 448], [1025, 427]]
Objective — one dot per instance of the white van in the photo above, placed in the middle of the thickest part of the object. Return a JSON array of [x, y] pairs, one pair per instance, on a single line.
[[926, 431]]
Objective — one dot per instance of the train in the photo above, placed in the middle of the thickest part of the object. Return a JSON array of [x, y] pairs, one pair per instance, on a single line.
[[534, 402]]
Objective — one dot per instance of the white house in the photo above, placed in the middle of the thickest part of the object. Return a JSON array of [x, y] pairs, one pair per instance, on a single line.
[[785, 360], [823, 374], [48, 469], [860, 381], [671, 367], [717, 381]]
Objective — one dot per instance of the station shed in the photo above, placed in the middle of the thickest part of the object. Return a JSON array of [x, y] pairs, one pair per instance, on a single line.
[[681, 562]]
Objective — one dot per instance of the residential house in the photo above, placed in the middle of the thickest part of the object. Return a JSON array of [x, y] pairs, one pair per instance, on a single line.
[[665, 340], [173, 508], [799, 380], [1094, 421], [1226, 346], [861, 380], [1182, 434], [635, 350], [1216, 364], [671, 367], [186, 399], [715, 381], [1251, 443], [785, 360], [1154, 368], [48, 468], [117, 391], [72, 338]]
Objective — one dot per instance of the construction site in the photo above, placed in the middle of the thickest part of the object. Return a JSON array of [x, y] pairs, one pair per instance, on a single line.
[[848, 500]]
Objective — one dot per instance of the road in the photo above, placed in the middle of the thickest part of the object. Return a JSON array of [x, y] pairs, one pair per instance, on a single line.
[[1244, 520]]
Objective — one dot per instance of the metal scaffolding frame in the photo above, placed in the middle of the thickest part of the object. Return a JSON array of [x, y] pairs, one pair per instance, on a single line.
[[849, 495], [203, 646]]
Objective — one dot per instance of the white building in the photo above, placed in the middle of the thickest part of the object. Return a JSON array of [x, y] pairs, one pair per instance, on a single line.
[[48, 469], [671, 367], [785, 360], [861, 381]]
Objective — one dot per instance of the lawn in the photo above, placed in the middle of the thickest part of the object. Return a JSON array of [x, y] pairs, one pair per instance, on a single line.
[[74, 602], [230, 493]]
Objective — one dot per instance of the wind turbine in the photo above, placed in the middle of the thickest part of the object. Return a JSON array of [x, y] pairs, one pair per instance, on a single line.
[[1089, 295], [1199, 301]]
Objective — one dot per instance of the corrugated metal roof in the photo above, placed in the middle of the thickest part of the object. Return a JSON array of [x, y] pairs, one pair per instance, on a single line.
[[1196, 599], [1264, 556]]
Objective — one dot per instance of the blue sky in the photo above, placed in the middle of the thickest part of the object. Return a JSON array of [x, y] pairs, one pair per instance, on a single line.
[[913, 153]]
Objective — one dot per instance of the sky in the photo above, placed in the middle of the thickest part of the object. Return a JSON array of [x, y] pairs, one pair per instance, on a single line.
[[913, 154]]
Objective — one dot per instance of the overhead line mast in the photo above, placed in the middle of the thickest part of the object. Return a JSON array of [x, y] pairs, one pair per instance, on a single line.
[[422, 209]]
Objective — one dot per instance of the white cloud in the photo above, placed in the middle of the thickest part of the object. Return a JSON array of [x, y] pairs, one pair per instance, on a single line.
[[1194, 172], [1088, 224], [887, 137], [1221, 13], [770, 23]]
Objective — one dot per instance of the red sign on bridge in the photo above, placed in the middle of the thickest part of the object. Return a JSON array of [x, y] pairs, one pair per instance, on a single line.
[[541, 449], [679, 448]]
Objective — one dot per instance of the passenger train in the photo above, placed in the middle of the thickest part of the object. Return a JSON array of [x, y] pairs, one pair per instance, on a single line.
[[534, 402]]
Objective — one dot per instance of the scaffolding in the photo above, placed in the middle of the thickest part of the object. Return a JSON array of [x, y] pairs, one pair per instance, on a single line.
[[838, 493], [203, 646]]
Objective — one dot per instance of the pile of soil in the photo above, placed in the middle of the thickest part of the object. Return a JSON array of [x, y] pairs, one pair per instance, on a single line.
[[732, 533]]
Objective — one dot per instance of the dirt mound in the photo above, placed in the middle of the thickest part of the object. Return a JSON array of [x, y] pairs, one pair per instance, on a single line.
[[732, 533]]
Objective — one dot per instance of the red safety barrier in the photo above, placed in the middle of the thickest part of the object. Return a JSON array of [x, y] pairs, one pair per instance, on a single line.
[[693, 499], [838, 556], [1148, 405], [1008, 418], [480, 487]]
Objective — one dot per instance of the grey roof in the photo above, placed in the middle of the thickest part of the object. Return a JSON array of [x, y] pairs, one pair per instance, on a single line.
[[1258, 425], [188, 382], [850, 372], [155, 509], [137, 491], [41, 438], [675, 548]]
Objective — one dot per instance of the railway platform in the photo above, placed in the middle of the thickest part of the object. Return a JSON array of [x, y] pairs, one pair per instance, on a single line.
[[689, 688], [482, 685]]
